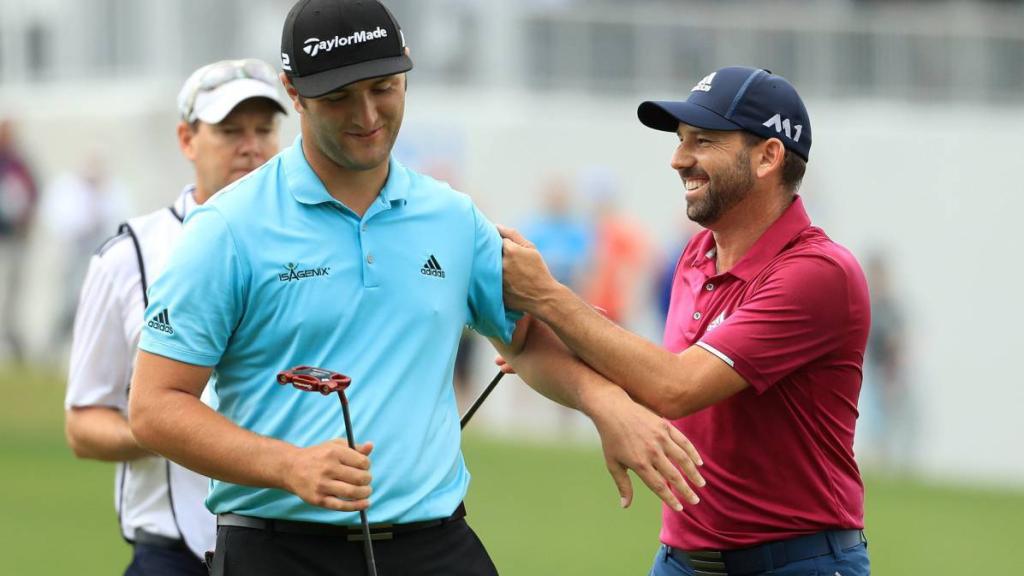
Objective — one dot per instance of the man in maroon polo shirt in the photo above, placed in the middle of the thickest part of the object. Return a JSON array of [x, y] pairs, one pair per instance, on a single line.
[[763, 347]]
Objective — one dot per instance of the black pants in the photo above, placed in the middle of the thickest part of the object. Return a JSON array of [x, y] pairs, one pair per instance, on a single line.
[[451, 549], [159, 561]]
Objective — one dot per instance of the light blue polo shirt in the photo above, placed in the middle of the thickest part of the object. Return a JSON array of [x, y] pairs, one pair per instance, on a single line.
[[273, 272]]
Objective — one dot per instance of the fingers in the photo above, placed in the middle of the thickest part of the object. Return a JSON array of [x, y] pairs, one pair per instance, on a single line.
[[340, 452], [344, 482], [503, 365], [679, 454], [348, 475], [622, 482], [685, 456], [671, 474], [332, 503], [509, 247], [347, 490], [512, 234], [653, 478], [687, 446]]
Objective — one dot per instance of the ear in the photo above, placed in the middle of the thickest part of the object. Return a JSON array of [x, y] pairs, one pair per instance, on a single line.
[[186, 140], [289, 89], [770, 157]]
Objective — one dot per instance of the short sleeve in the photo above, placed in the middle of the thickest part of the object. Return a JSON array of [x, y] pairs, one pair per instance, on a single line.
[[195, 305], [488, 315], [796, 316], [101, 355]]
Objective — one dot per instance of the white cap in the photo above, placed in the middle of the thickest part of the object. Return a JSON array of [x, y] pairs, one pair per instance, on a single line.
[[212, 104]]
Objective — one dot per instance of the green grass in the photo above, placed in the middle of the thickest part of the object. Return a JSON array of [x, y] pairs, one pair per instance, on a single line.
[[540, 509]]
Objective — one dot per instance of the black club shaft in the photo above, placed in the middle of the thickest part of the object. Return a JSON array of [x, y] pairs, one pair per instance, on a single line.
[[371, 562]]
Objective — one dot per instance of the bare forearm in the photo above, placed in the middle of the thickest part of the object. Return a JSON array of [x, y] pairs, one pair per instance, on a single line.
[[179, 426], [650, 374], [101, 433], [545, 363]]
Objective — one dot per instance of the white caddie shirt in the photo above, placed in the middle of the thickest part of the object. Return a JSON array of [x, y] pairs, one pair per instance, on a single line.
[[151, 493]]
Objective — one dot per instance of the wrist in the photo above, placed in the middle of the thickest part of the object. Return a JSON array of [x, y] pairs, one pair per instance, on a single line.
[[553, 304], [595, 400], [286, 470]]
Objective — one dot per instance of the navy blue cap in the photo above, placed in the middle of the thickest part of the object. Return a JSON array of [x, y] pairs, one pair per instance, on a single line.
[[738, 98]]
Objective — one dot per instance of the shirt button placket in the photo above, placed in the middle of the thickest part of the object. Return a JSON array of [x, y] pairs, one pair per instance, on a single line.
[[369, 269]]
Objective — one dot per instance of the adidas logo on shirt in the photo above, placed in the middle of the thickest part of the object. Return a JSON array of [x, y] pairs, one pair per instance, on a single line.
[[432, 268], [716, 322], [162, 322]]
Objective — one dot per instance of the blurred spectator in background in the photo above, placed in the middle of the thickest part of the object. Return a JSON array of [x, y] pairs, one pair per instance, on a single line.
[[81, 209], [560, 235], [228, 126], [890, 427], [18, 199], [621, 248]]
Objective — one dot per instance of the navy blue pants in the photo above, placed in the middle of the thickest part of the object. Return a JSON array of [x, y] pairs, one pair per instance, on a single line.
[[158, 561], [849, 562]]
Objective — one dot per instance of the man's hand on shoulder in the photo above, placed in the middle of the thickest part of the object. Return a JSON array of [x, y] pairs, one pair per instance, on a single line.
[[525, 277]]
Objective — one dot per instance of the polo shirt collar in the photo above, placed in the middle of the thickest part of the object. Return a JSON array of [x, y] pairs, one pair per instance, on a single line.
[[307, 188], [792, 222]]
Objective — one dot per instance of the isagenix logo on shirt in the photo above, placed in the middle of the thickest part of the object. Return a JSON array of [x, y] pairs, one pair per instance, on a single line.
[[293, 272]]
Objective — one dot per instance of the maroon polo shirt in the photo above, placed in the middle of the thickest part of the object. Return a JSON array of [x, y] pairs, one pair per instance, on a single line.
[[792, 318]]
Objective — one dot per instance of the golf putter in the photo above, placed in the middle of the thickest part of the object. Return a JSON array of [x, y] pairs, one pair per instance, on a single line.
[[326, 382]]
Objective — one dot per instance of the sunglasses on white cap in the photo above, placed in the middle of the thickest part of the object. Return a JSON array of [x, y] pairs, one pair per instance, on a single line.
[[213, 76]]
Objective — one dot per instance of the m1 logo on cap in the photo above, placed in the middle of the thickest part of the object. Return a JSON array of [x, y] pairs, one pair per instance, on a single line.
[[782, 125], [705, 84], [314, 46]]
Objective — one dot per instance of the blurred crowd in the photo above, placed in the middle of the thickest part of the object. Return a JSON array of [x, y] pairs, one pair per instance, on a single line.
[[75, 211]]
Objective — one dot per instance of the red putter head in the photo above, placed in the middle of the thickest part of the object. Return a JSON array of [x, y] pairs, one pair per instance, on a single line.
[[312, 379]]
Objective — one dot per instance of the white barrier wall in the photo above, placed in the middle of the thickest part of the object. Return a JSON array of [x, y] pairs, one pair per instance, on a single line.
[[936, 188]]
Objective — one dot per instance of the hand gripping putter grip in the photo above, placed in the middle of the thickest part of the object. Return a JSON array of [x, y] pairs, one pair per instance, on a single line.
[[326, 382]]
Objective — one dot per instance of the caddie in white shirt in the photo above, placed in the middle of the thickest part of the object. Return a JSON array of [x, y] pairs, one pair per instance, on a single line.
[[229, 119]]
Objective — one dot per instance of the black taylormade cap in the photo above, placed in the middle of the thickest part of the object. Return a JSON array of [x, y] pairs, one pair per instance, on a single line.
[[327, 44], [738, 98]]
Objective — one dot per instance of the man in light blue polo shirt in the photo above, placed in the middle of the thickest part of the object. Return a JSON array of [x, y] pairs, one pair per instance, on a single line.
[[333, 254]]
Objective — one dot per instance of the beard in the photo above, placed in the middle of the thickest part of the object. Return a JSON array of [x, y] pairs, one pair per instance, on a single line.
[[724, 190]]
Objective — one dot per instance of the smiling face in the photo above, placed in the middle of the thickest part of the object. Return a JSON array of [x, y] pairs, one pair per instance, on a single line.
[[716, 171], [357, 125]]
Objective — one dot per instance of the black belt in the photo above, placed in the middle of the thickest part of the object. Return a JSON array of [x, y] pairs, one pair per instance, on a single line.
[[351, 533], [765, 557], [158, 541]]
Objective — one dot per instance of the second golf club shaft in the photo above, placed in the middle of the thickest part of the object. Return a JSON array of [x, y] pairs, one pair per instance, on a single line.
[[483, 396]]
